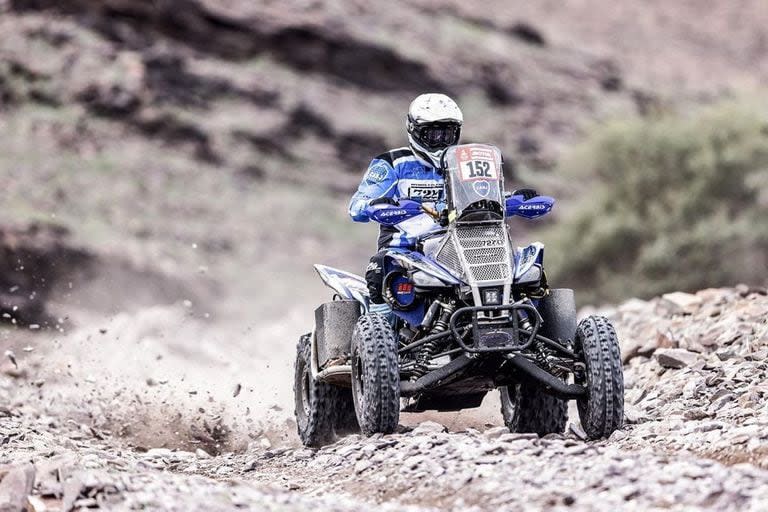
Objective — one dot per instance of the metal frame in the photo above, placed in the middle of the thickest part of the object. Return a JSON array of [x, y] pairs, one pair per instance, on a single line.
[[499, 323], [504, 322], [513, 353], [467, 276]]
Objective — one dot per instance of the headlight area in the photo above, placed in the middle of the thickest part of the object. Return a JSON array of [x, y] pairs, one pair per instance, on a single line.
[[399, 291], [491, 296]]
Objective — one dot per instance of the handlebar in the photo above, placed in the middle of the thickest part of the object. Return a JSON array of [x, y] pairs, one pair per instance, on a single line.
[[431, 212], [390, 215]]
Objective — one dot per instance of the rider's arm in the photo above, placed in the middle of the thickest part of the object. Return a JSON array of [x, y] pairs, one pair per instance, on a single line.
[[379, 181]]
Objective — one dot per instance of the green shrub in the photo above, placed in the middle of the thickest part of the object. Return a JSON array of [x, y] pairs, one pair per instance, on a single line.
[[673, 202]]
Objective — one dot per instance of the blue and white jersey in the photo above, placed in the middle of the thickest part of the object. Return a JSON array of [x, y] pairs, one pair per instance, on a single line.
[[397, 174]]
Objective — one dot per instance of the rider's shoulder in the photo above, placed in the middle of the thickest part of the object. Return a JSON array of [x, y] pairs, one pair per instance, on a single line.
[[396, 156]]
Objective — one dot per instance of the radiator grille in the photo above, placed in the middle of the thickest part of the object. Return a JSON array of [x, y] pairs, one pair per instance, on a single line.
[[448, 258], [493, 272], [485, 255], [485, 249]]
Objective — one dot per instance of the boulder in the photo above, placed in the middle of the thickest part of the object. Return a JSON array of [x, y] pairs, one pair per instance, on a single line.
[[428, 427], [15, 487], [33, 259], [675, 357], [679, 303]]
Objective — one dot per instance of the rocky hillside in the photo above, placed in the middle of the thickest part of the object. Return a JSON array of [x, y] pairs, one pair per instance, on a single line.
[[283, 92], [283, 89], [224, 126], [695, 439]]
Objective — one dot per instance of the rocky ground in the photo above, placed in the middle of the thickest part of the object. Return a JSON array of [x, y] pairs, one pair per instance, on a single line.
[[696, 439], [703, 389]]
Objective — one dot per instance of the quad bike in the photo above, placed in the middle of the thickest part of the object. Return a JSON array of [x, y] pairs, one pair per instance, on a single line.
[[470, 314]]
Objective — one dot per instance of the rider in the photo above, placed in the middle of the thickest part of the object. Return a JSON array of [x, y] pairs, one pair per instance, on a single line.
[[433, 124]]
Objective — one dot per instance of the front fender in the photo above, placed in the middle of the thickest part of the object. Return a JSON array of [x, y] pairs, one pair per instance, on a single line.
[[409, 260], [526, 258]]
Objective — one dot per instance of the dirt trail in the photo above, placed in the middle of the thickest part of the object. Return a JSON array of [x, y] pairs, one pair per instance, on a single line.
[[127, 416], [160, 377]]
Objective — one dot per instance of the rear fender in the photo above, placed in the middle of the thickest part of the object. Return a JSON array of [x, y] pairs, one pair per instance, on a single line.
[[345, 284]]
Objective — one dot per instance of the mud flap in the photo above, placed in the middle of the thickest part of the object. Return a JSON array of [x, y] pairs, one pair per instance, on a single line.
[[334, 323], [558, 314]]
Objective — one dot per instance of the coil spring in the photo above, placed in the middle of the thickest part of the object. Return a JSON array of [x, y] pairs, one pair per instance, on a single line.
[[425, 354], [431, 348], [442, 322]]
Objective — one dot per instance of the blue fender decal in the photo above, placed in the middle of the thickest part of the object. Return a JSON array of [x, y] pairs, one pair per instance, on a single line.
[[526, 257], [347, 285]]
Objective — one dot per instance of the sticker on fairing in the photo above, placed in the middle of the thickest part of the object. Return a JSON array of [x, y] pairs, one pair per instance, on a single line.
[[482, 188], [477, 163]]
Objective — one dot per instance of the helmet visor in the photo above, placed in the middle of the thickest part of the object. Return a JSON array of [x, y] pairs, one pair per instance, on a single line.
[[437, 135]]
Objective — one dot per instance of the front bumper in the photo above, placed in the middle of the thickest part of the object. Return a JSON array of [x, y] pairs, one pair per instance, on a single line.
[[499, 330]]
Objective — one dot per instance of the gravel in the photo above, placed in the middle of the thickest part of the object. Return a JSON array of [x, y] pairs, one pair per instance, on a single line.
[[696, 439]]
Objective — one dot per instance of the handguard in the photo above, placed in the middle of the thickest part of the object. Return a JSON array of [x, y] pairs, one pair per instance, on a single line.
[[530, 209], [389, 215]]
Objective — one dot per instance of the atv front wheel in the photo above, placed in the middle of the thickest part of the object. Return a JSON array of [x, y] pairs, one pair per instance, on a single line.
[[315, 401], [601, 411], [375, 375]]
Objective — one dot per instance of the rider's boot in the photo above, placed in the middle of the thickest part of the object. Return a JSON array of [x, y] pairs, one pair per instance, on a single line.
[[374, 277], [383, 309]]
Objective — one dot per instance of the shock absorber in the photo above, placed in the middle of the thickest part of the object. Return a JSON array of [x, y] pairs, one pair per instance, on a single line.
[[525, 323], [430, 348], [541, 353], [423, 357], [445, 315]]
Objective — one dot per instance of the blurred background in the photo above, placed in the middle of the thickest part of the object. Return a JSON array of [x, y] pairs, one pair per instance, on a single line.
[[171, 169]]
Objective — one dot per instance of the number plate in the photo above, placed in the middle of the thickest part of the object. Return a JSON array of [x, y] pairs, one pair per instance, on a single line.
[[477, 164]]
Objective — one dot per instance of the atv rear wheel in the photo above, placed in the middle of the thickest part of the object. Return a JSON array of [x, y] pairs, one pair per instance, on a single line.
[[315, 401], [602, 410], [525, 407], [345, 418], [375, 375]]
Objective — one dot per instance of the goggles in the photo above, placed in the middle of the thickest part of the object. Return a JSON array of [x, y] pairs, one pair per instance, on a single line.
[[437, 135]]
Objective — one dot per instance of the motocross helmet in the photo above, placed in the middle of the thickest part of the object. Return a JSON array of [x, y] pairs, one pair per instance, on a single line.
[[433, 123]]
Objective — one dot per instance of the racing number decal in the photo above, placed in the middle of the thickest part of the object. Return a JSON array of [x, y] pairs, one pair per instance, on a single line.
[[425, 192], [477, 164], [479, 169]]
